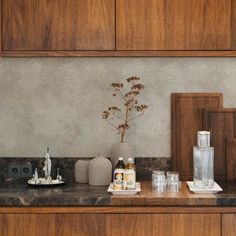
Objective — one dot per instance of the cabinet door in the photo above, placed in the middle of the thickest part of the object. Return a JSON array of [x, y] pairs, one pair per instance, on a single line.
[[173, 24], [58, 24], [163, 224], [52, 225], [228, 225]]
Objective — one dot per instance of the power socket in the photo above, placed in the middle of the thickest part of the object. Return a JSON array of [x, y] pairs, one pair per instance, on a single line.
[[25, 170], [20, 170], [14, 171]]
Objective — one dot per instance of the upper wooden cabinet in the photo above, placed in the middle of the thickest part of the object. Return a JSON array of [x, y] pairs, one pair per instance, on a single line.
[[58, 24], [118, 27], [173, 24]]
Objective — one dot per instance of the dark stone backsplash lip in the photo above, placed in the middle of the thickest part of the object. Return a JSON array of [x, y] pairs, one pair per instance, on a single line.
[[144, 166]]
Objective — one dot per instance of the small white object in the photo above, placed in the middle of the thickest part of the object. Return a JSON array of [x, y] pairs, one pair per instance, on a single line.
[[127, 192], [215, 189], [81, 171], [100, 171]]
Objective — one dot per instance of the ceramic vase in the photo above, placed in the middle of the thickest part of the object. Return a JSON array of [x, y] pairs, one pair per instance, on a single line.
[[81, 171], [124, 150], [100, 171]]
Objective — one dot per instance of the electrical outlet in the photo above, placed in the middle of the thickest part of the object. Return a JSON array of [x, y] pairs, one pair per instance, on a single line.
[[20, 170], [25, 170], [14, 171]]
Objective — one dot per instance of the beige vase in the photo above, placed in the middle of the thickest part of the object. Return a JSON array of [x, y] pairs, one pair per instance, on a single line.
[[100, 171], [81, 171], [124, 150]]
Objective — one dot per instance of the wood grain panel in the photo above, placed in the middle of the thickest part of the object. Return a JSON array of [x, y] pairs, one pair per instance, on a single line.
[[222, 124], [80, 225], [186, 120], [45, 225], [233, 27], [231, 159], [228, 225], [58, 24], [150, 197], [173, 25], [17, 224], [119, 210], [163, 224], [109, 53]]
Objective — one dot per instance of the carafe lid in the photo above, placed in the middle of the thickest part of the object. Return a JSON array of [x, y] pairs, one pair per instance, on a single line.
[[203, 139]]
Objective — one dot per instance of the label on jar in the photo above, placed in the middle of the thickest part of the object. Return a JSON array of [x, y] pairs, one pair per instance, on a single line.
[[129, 179], [118, 179]]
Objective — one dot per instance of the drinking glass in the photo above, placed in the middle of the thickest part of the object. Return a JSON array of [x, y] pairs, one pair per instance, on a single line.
[[159, 181], [173, 183]]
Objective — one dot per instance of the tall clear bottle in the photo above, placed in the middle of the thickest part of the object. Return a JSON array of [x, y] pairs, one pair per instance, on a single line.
[[203, 161]]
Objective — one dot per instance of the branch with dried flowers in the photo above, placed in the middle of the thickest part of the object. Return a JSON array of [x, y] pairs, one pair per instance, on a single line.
[[130, 106]]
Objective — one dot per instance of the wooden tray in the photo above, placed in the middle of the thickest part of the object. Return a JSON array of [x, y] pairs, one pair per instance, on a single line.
[[222, 125], [186, 120], [231, 159]]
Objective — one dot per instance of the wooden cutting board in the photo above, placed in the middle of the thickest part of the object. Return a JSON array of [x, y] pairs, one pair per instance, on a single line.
[[231, 159], [222, 125], [186, 120]]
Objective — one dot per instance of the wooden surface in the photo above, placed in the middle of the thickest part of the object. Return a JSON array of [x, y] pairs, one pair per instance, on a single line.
[[58, 24], [52, 224], [228, 225], [109, 224], [119, 210], [48, 28], [233, 26], [222, 124], [163, 225], [173, 25], [149, 197], [186, 120], [231, 159], [109, 53]]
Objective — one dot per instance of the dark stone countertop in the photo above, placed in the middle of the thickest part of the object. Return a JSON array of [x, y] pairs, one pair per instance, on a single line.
[[228, 196], [70, 194], [15, 194]]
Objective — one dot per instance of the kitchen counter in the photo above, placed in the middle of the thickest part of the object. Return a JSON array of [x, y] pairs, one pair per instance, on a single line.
[[72, 194], [80, 209]]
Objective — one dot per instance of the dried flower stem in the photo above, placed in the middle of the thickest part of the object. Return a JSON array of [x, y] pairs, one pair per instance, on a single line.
[[130, 104]]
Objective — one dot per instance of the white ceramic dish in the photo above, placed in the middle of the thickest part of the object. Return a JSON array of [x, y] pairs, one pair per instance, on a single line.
[[135, 191], [216, 188]]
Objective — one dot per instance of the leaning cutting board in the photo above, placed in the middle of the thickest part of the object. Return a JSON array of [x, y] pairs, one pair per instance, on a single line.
[[222, 125], [186, 120], [231, 159]]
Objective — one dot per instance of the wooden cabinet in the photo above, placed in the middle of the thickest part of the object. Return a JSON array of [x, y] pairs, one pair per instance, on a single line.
[[163, 224], [173, 25], [109, 224], [228, 225], [118, 28], [58, 25], [52, 224]]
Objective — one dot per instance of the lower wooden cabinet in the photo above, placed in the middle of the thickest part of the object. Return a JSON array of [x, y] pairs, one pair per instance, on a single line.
[[111, 224], [163, 224], [228, 224]]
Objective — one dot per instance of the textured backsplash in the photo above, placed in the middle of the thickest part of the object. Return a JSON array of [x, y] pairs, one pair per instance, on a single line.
[[57, 102], [144, 167]]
